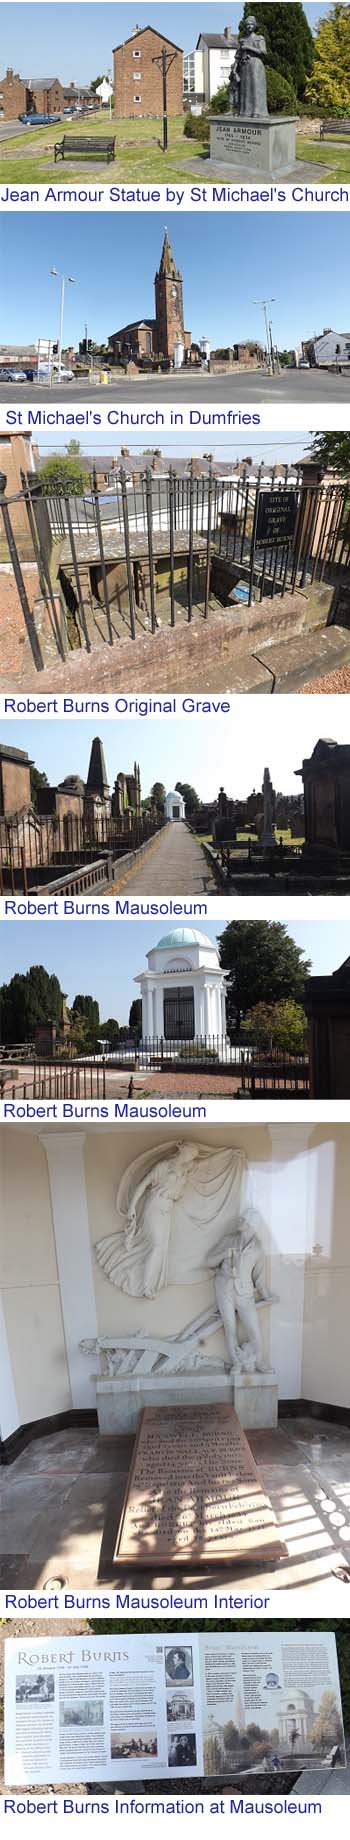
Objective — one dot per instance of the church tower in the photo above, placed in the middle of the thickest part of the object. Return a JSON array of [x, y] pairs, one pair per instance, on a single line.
[[169, 322]]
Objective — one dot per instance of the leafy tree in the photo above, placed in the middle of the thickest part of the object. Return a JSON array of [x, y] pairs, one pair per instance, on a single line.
[[97, 80], [264, 965], [73, 447], [333, 450], [158, 793], [277, 1025], [36, 779], [289, 40], [327, 1727], [189, 794], [221, 101], [110, 1031], [281, 95], [30, 998], [88, 1008], [135, 1017], [64, 473], [328, 86], [231, 1736]]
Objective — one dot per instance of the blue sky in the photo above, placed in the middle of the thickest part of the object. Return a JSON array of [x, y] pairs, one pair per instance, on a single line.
[[101, 960], [267, 447], [35, 39], [205, 752], [303, 261]]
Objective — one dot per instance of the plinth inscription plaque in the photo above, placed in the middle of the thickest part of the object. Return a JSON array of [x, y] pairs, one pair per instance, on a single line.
[[194, 1492]]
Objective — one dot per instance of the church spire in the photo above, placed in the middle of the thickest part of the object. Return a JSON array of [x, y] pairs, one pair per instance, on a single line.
[[167, 265]]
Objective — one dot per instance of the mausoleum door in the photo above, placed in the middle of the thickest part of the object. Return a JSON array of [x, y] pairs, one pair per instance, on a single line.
[[179, 1014], [176, 814]]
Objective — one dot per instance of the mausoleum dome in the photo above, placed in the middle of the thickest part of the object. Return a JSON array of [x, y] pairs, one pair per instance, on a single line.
[[183, 936]]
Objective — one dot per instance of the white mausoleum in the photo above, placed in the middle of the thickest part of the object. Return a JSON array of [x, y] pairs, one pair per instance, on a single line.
[[174, 808], [183, 990]]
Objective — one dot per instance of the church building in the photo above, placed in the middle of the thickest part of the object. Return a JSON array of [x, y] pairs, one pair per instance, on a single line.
[[158, 337]]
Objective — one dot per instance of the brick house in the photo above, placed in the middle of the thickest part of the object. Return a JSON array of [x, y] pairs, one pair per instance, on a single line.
[[159, 335], [29, 96], [138, 88]]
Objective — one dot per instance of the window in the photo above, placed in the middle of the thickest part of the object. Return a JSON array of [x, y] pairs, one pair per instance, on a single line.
[[136, 54], [137, 98]]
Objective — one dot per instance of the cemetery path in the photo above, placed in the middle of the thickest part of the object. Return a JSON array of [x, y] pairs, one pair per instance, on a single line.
[[175, 864]]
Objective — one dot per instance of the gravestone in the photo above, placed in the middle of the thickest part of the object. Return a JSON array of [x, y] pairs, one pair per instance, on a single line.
[[194, 1492]]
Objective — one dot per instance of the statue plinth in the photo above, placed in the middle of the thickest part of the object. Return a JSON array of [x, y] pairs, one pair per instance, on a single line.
[[254, 149], [121, 1399]]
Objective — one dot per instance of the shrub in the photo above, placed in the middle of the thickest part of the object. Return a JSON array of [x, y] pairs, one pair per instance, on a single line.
[[281, 96], [196, 127]]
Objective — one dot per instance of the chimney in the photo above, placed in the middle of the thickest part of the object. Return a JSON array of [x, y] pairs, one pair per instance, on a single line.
[[228, 33]]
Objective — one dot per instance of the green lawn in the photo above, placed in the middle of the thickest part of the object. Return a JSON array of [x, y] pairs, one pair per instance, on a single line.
[[139, 157]]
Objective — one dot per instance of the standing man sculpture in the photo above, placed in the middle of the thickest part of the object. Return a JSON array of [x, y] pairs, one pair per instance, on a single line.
[[239, 1285], [248, 80]]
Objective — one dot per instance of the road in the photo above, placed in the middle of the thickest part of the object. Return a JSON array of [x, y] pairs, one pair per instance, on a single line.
[[305, 387], [10, 129]]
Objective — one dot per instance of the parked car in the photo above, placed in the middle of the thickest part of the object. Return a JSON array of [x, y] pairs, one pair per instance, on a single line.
[[17, 377], [39, 121]]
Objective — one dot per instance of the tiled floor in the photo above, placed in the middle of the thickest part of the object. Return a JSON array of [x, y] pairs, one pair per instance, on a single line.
[[60, 1505]]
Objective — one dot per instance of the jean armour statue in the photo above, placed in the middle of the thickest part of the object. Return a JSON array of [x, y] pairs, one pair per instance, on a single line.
[[171, 1202], [248, 80]]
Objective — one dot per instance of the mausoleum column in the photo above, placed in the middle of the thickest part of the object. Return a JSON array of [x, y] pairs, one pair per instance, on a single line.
[[147, 1020], [207, 1019], [65, 1158]]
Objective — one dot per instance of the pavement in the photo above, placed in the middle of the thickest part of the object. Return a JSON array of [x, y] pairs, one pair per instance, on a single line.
[[176, 864], [62, 1498], [306, 387]]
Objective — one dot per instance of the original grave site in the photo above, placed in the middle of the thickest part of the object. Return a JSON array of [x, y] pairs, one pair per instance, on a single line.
[[194, 1296], [130, 571]]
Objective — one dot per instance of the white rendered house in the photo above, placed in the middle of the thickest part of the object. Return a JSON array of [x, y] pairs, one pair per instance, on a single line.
[[174, 808], [183, 990]]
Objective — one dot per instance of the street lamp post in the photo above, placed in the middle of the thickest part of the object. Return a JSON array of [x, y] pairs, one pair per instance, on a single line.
[[62, 279], [264, 304], [164, 62]]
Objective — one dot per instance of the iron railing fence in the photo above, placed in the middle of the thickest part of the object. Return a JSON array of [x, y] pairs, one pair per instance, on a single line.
[[65, 1077], [273, 530]]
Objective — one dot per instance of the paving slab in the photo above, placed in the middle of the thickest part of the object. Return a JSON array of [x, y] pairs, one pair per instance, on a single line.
[[177, 865], [216, 170]]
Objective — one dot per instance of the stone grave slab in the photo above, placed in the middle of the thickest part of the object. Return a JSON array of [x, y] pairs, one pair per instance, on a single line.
[[194, 1492]]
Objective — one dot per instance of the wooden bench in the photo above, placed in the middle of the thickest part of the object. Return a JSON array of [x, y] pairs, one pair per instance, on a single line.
[[101, 148], [340, 128]]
